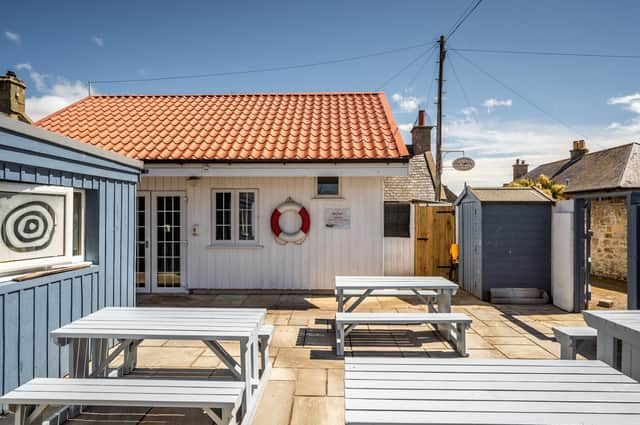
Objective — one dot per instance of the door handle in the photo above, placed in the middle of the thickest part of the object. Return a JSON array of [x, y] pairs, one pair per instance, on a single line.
[[422, 239], [146, 244]]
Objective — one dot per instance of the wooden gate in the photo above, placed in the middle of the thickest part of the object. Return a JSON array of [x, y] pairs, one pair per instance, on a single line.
[[434, 233]]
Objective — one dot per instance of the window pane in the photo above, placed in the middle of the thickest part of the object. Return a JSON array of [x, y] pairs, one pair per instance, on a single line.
[[397, 220], [328, 185], [77, 223], [223, 216], [246, 212]]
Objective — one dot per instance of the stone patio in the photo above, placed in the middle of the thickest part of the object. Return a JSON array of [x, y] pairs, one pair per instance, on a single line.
[[306, 382]]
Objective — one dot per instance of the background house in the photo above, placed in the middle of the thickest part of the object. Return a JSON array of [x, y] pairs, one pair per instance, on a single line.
[[586, 173], [68, 239], [217, 166]]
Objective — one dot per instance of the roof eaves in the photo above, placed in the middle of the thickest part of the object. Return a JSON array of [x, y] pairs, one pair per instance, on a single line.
[[402, 148]]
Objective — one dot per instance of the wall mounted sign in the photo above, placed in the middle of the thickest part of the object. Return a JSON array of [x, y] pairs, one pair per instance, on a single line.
[[337, 218], [31, 226], [463, 163]]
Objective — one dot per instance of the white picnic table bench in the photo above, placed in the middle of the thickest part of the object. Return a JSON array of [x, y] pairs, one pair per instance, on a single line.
[[131, 326], [618, 342], [413, 390], [218, 399]]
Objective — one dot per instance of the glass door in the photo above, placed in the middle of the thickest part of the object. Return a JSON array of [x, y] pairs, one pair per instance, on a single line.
[[143, 245], [168, 246]]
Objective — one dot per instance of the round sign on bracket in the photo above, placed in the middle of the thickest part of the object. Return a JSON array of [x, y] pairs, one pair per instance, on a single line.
[[463, 163]]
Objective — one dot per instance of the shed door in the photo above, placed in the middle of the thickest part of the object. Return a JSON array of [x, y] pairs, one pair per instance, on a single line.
[[470, 253], [143, 243]]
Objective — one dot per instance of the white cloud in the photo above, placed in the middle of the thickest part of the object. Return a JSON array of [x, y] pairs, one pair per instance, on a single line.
[[406, 126], [630, 103], [52, 96], [492, 103], [13, 36], [99, 41], [38, 78], [406, 103]]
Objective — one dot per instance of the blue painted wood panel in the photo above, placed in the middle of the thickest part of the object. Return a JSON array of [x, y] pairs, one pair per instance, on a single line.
[[30, 310]]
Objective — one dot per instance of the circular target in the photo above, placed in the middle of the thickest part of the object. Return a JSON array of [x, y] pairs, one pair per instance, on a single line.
[[28, 227]]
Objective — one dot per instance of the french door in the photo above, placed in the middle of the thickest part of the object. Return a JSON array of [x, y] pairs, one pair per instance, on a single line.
[[161, 243]]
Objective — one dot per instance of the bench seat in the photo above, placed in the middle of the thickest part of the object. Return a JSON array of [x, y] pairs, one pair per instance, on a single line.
[[570, 337], [33, 397], [346, 321], [389, 293]]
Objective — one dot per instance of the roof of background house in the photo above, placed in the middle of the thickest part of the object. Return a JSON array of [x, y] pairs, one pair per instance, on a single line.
[[236, 127], [418, 184], [505, 194], [608, 169]]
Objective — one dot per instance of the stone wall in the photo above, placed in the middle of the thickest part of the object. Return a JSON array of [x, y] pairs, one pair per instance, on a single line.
[[609, 242]]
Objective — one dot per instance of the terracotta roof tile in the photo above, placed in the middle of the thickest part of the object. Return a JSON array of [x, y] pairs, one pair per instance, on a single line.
[[291, 126]]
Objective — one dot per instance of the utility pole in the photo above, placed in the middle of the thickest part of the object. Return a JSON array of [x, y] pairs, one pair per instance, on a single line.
[[443, 53]]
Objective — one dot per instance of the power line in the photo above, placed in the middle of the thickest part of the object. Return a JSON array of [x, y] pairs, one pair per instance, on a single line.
[[424, 64], [521, 96], [465, 15], [268, 69], [543, 53], [464, 92], [404, 68]]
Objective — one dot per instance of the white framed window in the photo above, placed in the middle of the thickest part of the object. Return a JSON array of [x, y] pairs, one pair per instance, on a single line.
[[40, 227], [328, 187], [234, 218]]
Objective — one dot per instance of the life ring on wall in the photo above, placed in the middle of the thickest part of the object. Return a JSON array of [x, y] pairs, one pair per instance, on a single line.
[[299, 235]]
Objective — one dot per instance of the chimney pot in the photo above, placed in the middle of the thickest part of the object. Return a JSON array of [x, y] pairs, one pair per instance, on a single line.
[[421, 120]]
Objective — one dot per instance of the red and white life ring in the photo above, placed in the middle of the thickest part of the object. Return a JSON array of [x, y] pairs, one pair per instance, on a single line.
[[299, 235]]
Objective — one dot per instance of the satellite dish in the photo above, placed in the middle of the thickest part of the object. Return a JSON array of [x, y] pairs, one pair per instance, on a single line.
[[463, 163]]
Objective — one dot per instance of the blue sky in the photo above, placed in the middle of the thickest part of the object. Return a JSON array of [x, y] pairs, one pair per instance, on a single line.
[[57, 46]]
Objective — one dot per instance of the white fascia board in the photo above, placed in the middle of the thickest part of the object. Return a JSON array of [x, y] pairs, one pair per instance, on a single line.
[[373, 169]]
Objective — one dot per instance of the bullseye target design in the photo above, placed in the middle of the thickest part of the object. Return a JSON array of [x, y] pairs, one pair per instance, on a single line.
[[28, 227]]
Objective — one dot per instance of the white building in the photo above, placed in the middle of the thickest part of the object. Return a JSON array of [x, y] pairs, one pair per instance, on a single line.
[[218, 166]]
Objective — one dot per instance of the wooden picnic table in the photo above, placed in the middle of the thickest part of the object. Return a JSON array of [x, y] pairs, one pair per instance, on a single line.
[[131, 326], [618, 342], [361, 287], [392, 390]]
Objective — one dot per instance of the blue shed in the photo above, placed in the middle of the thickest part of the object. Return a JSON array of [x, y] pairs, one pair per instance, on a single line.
[[67, 243], [504, 236]]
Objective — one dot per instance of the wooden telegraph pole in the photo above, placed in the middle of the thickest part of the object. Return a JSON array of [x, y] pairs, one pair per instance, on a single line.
[[443, 53]]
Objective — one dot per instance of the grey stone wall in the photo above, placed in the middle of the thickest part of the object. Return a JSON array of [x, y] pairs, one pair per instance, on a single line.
[[609, 242]]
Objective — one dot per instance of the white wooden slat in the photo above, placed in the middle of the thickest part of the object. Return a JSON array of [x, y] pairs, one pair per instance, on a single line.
[[149, 334], [134, 382], [121, 399], [169, 327], [514, 407], [481, 362], [186, 312], [390, 318], [477, 418], [490, 385], [108, 389], [389, 293], [495, 395], [188, 309], [497, 369], [489, 377]]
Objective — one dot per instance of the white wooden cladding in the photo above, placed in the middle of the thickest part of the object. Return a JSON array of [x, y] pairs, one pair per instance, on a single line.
[[129, 392], [312, 265], [382, 390]]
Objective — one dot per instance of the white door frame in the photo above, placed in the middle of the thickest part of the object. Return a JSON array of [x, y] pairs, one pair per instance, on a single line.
[[154, 241], [147, 241]]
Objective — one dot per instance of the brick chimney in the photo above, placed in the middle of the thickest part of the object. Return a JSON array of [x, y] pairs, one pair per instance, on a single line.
[[12, 95], [579, 149], [520, 169], [421, 135]]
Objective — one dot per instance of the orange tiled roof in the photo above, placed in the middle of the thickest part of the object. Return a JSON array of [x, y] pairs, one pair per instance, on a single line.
[[236, 127]]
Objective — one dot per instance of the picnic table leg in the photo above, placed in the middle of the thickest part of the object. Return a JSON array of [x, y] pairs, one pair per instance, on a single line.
[[340, 294], [245, 374], [130, 357], [339, 339], [444, 306], [99, 354], [461, 340], [22, 414], [78, 365]]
